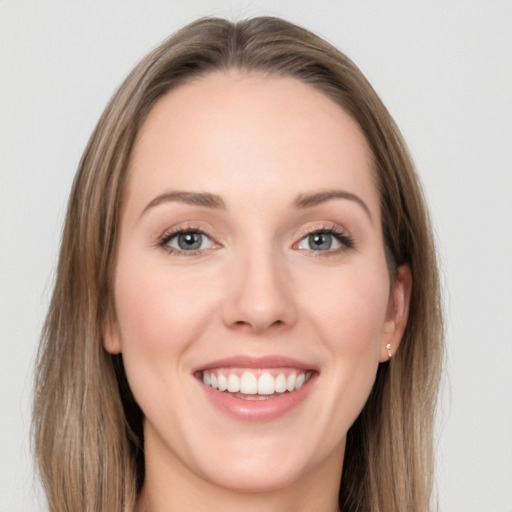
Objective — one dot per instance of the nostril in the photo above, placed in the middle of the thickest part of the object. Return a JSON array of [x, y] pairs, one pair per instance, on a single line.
[[246, 326], [242, 326], [255, 305]]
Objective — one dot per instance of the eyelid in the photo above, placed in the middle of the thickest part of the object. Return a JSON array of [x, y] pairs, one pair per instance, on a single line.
[[341, 235], [169, 234]]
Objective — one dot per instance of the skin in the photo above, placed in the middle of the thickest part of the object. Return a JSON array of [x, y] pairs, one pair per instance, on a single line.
[[255, 288]]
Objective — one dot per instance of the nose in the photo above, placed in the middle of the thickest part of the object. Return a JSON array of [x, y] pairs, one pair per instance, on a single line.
[[259, 296]]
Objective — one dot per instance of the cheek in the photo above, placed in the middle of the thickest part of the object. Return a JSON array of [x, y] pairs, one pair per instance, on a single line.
[[160, 315], [349, 317], [158, 311], [350, 309]]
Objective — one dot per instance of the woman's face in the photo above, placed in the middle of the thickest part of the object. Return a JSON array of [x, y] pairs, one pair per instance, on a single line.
[[251, 258]]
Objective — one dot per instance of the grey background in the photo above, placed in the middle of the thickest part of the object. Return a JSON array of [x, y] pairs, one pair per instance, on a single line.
[[443, 68]]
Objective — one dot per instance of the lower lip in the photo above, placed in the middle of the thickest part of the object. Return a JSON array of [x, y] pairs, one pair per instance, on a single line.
[[257, 410]]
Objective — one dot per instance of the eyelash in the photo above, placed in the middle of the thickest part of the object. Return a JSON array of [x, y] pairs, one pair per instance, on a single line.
[[342, 237], [164, 240]]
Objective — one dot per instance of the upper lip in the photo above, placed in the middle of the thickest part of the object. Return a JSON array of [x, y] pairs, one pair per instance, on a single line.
[[243, 361]]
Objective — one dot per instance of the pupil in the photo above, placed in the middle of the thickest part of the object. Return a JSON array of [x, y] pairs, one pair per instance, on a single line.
[[190, 241], [320, 241]]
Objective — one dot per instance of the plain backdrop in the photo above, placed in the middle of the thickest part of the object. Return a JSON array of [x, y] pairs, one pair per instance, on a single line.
[[443, 68]]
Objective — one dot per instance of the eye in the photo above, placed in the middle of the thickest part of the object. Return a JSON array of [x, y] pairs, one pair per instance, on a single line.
[[325, 240], [187, 241]]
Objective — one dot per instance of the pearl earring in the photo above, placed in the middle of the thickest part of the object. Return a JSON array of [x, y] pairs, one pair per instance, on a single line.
[[388, 346]]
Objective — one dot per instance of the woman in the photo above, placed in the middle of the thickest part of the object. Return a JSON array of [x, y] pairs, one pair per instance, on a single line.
[[246, 310]]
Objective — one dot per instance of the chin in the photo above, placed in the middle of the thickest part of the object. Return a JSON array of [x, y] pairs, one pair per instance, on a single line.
[[255, 476]]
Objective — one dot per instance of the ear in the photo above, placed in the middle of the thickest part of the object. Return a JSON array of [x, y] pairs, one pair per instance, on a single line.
[[111, 336], [397, 314]]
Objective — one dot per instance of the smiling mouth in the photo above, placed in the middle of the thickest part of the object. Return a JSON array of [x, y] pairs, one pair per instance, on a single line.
[[251, 384]]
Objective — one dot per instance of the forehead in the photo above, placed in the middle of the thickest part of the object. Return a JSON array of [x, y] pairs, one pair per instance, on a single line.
[[232, 133]]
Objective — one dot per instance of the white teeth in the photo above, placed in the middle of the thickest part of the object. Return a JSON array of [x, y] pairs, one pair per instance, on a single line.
[[266, 384], [248, 384], [233, 383], [299, 382], [280, 383], [290, 382], [223, 382]]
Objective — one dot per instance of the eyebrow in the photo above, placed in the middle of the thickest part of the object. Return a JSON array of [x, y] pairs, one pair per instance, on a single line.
[[303, 201], [205, 199], [214, 201]]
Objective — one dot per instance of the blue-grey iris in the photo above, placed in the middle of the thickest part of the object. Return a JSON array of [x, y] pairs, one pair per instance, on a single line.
[[190, 241], [320, 241]]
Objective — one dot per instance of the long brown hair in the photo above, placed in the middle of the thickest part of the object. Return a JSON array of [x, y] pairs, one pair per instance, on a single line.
[[87, 427]]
